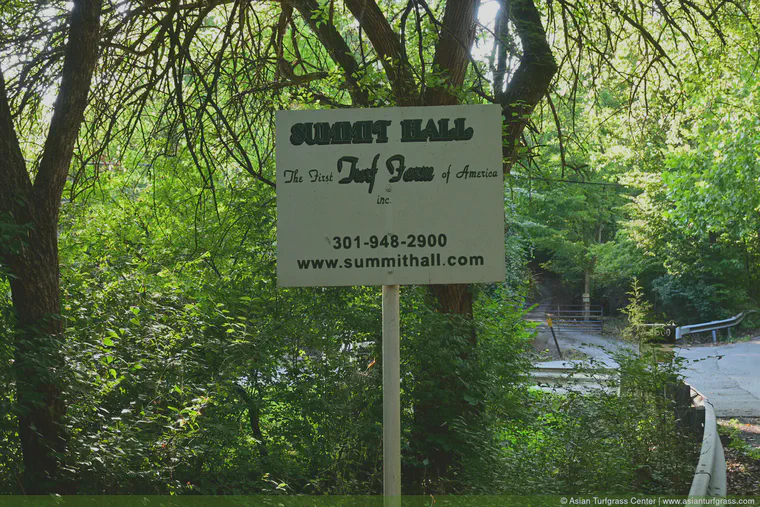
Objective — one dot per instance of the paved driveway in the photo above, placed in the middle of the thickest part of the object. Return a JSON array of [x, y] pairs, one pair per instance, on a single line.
[[729, 375]]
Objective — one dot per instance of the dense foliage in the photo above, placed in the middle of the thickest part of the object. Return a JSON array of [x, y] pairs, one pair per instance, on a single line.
[[201, 376], [137, 165], [591, 442], [652, 177]]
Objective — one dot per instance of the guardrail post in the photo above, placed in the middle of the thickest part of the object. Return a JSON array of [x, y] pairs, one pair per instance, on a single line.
[[698, 422], [715, 336], [682, 396]]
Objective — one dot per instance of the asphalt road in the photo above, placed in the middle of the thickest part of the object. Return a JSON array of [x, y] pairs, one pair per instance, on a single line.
[[729, 375]]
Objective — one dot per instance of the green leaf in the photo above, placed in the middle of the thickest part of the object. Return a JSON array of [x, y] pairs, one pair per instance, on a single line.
[[469, 399]]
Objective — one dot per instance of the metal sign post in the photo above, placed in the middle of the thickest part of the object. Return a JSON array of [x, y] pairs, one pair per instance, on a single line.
[[391, 398]]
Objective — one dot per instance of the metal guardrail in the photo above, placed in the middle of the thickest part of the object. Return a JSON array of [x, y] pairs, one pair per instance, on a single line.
[[567, 375], [710, 477], [713, 326], [553, 377]]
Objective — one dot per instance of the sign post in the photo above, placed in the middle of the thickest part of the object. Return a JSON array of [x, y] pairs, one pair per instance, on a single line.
[[391, 397], [390, 196], [586, 306], [551, 328]]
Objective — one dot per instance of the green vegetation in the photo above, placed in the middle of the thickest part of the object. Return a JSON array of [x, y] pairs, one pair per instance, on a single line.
[[598, 442], [732, 430], [145, 347]]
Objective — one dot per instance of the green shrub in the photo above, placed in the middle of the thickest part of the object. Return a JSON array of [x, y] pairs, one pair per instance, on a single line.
[[599, 442]]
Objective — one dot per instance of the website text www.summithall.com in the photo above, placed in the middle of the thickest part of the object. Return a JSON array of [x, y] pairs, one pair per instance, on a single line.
[[396, 261]]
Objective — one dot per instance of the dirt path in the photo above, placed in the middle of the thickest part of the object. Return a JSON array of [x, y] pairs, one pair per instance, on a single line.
[[575, 345]]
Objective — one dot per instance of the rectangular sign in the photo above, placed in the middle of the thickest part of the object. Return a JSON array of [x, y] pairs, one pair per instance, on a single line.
[[390, 196]]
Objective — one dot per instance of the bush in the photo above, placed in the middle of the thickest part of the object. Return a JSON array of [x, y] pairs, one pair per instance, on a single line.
[[599, 442]]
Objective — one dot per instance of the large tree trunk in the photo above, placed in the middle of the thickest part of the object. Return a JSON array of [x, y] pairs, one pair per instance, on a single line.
[[434, 418], [38, 359], [434, 439], [31, 209]]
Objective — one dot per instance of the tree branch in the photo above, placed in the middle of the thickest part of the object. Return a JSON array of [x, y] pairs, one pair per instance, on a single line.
[[76, 77], [388, 48], [14, 180], [341, 54], [452, 53], [500, 39], [531, 79]]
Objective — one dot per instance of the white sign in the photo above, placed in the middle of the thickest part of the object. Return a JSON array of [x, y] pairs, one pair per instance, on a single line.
[[390, 196]]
